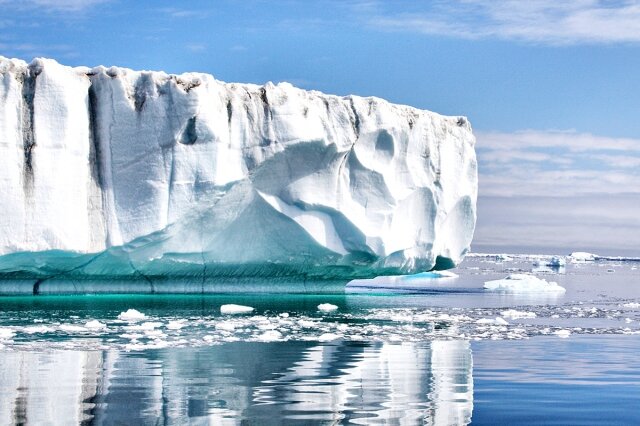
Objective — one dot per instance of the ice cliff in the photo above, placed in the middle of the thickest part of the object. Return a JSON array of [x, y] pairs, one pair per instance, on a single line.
[[110, 173]]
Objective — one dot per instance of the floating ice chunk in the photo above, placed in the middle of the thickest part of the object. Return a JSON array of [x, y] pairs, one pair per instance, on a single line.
[[489, 321], [270, 336], [131, 315], [562, 333], [552, 262], [513, 314], [327, 337], [523, 283], [631, 305], [306, 323], [582, 256], [95, 325], [176, 324], [327, 307], [225, 326], [70, 328], [6, 333], [284, 315], [235, 309], [423, 280]]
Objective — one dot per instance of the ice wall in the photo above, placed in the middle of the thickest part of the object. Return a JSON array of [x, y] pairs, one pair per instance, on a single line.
[[155, 174]]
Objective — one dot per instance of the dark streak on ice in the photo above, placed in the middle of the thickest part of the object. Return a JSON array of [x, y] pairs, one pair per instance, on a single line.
[[28, 133], [355, 120], [190, 134], [94, 139], [141, 91], [265, 101], [229, 111]]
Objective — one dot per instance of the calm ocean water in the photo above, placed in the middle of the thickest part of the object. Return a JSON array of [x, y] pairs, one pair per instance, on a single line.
[[450, 354]]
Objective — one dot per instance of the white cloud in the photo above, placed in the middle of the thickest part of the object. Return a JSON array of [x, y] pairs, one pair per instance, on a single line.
[[556, 163], [539, 21], [567, 139]]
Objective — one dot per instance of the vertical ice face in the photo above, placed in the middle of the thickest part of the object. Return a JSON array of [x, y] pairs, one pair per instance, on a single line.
[[166, 165]]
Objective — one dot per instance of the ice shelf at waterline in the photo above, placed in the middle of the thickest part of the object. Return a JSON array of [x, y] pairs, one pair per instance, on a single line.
[[109, 173]]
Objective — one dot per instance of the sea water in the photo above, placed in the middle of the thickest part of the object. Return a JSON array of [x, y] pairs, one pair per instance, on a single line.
[[447, 353]]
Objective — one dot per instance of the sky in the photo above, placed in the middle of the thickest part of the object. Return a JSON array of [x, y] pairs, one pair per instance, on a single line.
[[552, 88]]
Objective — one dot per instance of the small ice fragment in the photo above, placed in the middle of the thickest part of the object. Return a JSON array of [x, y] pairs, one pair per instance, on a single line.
[[131, 315], [284, 315], [270, 336], [95, 325], [562, 333], [327, 337], [70, 328], [327, 307], [523, 283], [226, 326], [235, 309], [176, 324], [513, 314], [6, 333], [306, 323], [208, 338], [497, 321], [632, 305]]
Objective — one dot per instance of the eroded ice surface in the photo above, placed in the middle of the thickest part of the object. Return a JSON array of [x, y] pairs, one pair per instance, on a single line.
[[113, 174]]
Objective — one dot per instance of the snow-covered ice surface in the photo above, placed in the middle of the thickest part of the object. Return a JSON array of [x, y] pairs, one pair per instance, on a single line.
[[114, 175], [595, 302]]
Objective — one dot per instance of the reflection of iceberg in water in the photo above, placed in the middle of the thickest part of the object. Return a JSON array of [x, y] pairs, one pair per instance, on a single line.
[[26, 392], [355, 382], [381, 383]]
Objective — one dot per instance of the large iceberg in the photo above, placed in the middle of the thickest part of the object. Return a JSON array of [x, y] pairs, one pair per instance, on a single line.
[[115, 175]]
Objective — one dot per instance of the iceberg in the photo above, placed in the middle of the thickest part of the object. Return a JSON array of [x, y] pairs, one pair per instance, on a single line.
[[181, 183], [582, 256]]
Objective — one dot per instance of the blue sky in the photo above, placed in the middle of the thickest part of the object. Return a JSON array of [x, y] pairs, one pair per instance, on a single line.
[[552, 88]]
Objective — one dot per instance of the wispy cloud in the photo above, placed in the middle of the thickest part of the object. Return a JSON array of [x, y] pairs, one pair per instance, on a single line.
[[556, 163], [180, 13], [197, 47], [538, 21], [55, 5]]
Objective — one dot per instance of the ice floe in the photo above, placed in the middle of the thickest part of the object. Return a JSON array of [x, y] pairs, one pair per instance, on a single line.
[[513, 314], [235, 309], [327, 307], [523, 283], [131, 315], [582, 256]]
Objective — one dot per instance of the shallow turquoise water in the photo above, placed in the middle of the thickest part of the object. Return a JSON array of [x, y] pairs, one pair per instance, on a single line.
[[439, 356]]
